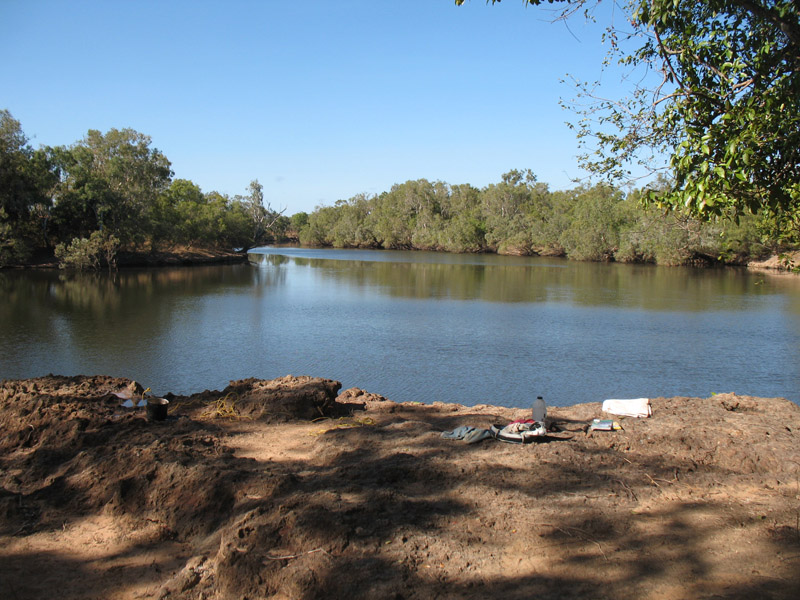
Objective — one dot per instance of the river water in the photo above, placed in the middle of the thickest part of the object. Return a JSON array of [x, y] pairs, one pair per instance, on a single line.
[[414, 326]]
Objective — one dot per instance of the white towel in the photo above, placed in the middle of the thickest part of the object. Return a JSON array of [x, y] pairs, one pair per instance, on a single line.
[[635, 407]]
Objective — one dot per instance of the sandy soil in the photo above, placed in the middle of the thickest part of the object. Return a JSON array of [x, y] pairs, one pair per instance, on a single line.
[[281, 489], [784, 263]]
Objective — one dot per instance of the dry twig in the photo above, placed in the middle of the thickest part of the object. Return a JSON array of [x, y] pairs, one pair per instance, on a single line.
[[292, 556]]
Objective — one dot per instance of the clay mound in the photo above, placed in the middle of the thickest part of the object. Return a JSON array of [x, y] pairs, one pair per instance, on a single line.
[[70, 445], [275, 400], [357, 395], [55, 411]]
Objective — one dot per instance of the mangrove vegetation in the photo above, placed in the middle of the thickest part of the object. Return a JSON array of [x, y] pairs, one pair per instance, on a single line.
[[519, 215], [113, 192]]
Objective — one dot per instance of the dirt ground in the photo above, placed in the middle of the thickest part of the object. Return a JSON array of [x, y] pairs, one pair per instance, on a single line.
[[778, 263], [281, 489]]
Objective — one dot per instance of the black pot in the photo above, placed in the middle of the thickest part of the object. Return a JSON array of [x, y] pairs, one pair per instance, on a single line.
[[157, 409]]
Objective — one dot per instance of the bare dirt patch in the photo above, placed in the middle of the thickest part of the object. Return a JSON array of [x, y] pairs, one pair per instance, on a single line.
[[281, 489], [784, 263]]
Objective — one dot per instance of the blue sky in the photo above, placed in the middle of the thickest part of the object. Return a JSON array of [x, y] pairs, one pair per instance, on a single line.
[[318, 100]]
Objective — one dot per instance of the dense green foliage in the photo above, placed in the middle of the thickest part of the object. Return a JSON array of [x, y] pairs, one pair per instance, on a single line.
[[111, 192], [715, 89], [518, 215], [26, 176], [725, 105], [84, 254]]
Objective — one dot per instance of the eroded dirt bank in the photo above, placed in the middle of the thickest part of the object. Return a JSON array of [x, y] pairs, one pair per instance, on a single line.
[[281, 489]]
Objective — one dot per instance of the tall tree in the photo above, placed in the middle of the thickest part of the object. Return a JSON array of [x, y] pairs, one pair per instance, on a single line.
[[112, 181], [506, 207], [263, 217], [26, 180], [722, 103]]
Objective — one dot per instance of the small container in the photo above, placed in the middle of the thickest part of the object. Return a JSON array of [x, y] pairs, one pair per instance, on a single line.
[[157, 409], [539, 410]]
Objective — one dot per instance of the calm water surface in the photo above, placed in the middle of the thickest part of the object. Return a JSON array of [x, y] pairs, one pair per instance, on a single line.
[[414, 326]]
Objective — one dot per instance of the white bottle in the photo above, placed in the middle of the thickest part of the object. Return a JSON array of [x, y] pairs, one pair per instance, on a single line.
[[539, 410]]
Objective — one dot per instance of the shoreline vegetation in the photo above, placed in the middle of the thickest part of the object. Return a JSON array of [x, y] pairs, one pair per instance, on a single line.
[[111, 200], [174, 257], [784, 263], [289, 488]]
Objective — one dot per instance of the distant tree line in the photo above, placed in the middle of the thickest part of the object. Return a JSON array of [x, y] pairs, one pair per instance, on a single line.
[[112, 192], [521, 216]]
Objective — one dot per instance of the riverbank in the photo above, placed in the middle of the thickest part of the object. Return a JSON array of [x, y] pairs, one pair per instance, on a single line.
[[210, 256], [180, 257], [288, 489], [785, 263], [174, 257]]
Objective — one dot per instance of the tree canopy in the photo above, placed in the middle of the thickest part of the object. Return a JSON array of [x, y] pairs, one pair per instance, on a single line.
[[720, 98], [109, 182], [26, 177], [113, 192], [519, 215]]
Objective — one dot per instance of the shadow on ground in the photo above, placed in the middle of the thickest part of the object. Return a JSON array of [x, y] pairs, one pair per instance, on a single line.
[[387, 508]]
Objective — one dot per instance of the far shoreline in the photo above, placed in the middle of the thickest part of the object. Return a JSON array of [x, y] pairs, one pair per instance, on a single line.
[[166, 258], [180, 257]]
